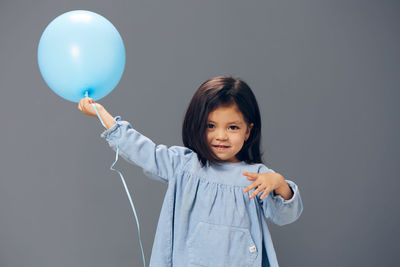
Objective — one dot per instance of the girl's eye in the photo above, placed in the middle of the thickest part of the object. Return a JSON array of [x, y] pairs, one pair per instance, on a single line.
[[210, 125], [234, 127]]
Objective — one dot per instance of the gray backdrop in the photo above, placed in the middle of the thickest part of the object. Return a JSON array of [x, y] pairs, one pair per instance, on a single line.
[[325, 73]]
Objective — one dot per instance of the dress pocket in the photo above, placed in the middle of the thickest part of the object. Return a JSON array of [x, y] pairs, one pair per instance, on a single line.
[[214, 245]]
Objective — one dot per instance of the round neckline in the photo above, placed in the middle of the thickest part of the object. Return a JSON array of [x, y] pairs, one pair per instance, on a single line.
[[227, 163]]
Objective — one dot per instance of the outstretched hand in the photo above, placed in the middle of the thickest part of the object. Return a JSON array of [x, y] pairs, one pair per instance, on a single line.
[[85, 105], [266, 181]]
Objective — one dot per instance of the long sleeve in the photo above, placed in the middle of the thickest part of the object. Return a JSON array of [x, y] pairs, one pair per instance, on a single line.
[[157, 161], [279, 210]]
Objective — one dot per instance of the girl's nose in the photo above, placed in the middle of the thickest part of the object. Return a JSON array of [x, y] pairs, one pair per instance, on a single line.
[[221, 135]]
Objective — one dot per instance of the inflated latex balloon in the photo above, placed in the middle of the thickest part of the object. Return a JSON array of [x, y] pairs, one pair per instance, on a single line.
[[80, 54]]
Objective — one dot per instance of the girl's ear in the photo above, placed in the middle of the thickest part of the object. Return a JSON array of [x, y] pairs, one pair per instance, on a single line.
[[248, 131]]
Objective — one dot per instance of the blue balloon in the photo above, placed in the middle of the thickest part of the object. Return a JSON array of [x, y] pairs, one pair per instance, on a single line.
[[81, 51]]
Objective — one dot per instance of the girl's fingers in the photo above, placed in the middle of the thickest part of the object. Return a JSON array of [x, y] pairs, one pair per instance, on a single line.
[[255, 193], [88, 101], [249, 187], [258, 190], [84, 104], [265, 193]]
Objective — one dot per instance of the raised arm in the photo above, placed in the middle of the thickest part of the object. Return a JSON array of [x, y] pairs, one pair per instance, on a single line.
[[158, 162]]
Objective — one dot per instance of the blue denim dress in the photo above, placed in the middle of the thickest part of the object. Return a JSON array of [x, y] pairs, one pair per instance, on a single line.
[[206, 219]]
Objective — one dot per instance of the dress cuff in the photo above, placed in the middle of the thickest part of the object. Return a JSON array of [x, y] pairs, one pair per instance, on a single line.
[[279, 198], [107, 133]]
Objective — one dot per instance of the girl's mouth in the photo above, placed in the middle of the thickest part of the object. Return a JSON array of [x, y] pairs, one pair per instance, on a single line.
[[220, 147]]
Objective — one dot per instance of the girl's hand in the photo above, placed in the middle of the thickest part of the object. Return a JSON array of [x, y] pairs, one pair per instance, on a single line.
[[85, 105], [266, 181]]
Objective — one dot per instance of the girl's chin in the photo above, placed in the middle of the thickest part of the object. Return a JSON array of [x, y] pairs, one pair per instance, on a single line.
[[228, 159]]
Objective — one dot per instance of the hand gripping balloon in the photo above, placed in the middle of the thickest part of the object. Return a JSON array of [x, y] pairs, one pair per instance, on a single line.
[[81, 54]]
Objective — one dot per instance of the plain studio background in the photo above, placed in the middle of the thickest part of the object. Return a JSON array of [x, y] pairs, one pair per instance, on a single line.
[[326, 76]]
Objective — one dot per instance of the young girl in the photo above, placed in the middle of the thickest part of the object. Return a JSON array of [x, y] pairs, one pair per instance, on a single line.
[[219, 192]]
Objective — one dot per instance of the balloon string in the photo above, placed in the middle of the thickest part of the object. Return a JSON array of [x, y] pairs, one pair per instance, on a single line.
[[130, 200], [123, 182], [94, 106]]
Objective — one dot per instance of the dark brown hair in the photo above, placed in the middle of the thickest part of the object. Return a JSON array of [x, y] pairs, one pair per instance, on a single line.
[[213, 93]]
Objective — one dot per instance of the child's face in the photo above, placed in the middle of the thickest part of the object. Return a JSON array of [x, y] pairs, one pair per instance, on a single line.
[[226, 127]]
